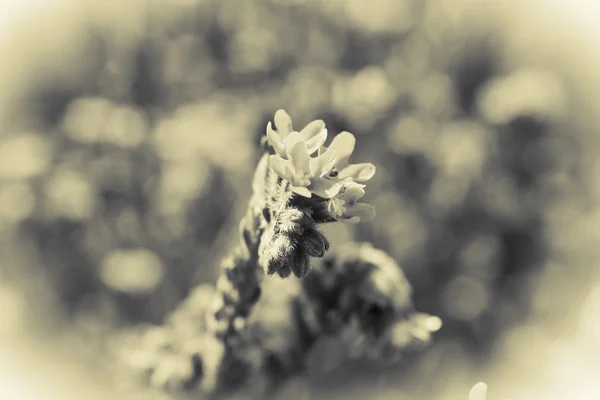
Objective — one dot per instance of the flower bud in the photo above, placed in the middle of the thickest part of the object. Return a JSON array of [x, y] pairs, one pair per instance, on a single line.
[[275, 254], [300, 263], [315, 242]]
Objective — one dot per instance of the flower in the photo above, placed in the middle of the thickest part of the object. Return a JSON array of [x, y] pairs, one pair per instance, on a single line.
[[343, 146], [292, 160], [344, 206], [313, 135], [305, 173]]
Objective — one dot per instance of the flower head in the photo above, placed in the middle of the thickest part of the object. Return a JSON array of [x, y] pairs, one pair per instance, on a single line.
[[292, 160], [328, 175], [345, 207], [343, 146]]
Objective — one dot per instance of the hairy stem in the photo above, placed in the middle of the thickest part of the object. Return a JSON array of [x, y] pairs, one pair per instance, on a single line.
[[237, 291]]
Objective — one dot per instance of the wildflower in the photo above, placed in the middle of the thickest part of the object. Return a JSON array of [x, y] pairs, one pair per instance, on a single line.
[[343, 146], [344, 206], [293, 162]]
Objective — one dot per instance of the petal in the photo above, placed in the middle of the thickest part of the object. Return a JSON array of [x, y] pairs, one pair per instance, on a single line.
[[283, 168], [312, 129], [478, 392], [275, 140], [283, 123], [343, 145], [353, 220], [364, 211], [324, 187], [350, 182], [291, 140], [428, 322], [331, 208], [302, 191], [352, 194], [300, 158], [358, 172], [300, 263], [316, 142], [322, 164], [322, 150]]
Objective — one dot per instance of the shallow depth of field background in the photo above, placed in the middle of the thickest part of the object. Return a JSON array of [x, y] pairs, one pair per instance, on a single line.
[[129, 133]]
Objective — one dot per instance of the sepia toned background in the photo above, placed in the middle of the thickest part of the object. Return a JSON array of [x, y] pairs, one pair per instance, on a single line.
[[130, 131]]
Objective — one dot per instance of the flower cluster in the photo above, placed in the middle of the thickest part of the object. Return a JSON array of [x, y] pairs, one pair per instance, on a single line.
[[292, 238], [328, 175]]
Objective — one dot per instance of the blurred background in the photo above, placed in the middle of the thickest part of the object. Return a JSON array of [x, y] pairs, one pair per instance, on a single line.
[[130, 130]]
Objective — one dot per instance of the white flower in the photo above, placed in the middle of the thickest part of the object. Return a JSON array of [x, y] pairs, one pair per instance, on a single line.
[[305, 173], [293, 162], [344, 206]]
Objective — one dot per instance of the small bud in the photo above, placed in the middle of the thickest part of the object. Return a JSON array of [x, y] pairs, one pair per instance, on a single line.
[[274, 265], [277, 253], [284, 271], [315, 242], [300, 263]]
